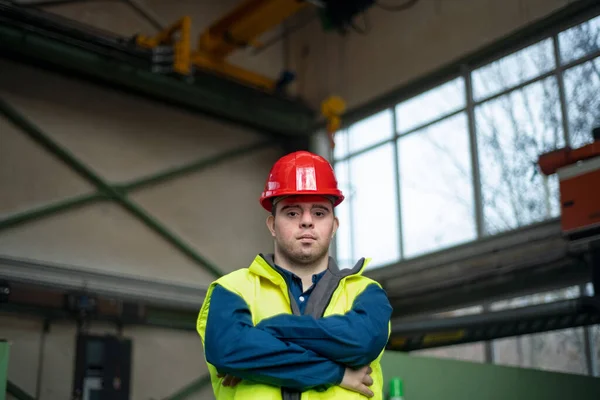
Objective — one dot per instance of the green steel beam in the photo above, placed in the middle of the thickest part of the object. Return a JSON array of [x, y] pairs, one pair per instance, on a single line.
[[17, 392], [78, 201], [271, 115], [188, 390], [46, 142], [49, 209], [194, 166]]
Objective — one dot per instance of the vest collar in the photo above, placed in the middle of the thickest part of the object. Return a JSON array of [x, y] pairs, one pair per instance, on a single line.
[[264, 266]]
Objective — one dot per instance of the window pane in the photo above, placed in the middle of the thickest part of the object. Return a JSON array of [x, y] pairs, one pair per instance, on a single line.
[[341, 144], [374, 206], [580, 40], [370, 131], [514, 69], [431, 105], [536, 299], [512, 131], [582, 86], [464, 352], [562, 350], [594, 333], [343, 240], [436, 187]]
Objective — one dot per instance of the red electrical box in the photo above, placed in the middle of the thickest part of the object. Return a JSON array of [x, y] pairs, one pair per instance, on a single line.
[[578, 173], [580, 196]]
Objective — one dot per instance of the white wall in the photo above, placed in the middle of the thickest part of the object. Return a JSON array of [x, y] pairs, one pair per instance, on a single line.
[[403, 46]]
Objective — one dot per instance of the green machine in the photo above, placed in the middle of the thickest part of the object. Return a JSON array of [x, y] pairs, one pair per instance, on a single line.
[[4, 354], [410, 377]]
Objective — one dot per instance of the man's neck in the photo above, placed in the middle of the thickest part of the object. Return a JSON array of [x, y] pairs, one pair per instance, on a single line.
[[304, 272]]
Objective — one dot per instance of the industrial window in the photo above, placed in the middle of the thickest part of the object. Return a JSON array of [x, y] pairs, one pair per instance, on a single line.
[[458, 161]]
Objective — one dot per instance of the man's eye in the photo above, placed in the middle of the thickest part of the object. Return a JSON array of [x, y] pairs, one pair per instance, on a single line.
[[320, 213], [292, 214]]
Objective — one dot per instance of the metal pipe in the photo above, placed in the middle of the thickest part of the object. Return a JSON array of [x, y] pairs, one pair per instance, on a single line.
[[270, 116], [126, 287], [46, 142]]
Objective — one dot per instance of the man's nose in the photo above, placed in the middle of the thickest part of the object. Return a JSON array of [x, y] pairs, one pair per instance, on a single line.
[[307, 220]]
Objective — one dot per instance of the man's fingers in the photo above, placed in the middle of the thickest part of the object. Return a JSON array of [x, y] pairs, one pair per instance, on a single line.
[[367, 380], [231, 381], [220, 375], [369, 370], [235, 381], [365, 390], [227, 381]]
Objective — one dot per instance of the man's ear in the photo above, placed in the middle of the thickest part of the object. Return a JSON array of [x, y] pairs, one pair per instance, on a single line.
[[271, 224], [336, 225]]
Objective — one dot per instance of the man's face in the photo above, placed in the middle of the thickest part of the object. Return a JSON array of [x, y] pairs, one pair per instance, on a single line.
[[303, 227]]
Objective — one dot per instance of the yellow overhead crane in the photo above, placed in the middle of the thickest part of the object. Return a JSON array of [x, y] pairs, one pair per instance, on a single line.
[[237, 29], [240, 28]]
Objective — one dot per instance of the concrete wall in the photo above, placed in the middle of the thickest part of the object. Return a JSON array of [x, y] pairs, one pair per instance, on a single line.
[[163, 360], [402, 46], [122, 138]]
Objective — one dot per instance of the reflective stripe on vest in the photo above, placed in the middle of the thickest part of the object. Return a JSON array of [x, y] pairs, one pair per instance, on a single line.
[[334, 294]]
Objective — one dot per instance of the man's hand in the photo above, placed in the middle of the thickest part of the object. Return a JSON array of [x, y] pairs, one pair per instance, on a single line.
[[229, 380], [358, 380]]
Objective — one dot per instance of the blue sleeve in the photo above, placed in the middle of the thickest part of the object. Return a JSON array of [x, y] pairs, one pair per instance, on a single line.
[[234, 346], [354, 339]]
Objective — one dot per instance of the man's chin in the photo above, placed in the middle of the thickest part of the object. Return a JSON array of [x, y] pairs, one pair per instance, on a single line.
[[307, 257]]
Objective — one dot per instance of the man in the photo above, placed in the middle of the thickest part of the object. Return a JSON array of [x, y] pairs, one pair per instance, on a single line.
[[293, 325]]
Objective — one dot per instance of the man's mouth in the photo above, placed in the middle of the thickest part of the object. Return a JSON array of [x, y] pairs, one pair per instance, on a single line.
[[307, 237]]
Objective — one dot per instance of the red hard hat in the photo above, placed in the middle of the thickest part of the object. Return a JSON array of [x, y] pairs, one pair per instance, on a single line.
[[302, 173]]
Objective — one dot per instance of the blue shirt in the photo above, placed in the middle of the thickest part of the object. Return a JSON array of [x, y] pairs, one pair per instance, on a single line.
[[295, 351], [294, 283]]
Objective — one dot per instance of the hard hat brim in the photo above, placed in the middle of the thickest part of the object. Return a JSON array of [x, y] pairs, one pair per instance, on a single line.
[[267, 199]]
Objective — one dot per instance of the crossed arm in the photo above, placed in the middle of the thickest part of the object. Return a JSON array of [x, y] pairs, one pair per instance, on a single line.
[[353, 339], [297, 352]]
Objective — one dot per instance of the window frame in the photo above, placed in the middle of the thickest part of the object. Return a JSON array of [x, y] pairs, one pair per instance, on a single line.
[[465, 71]]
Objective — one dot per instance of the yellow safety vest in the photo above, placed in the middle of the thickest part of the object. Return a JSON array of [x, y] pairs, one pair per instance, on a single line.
[[266, 293]]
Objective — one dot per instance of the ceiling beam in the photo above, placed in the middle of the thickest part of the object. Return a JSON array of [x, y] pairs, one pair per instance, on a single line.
[[26, 35]]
